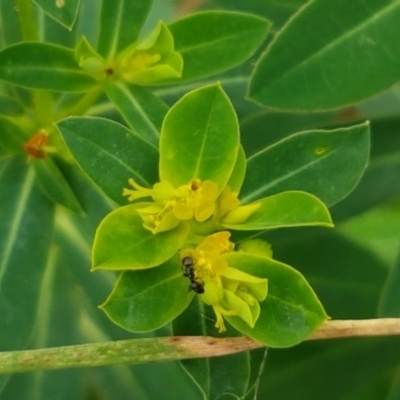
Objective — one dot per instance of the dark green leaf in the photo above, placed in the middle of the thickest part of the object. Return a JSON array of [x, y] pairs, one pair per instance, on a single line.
[[26, 219], [110, 153], [200, 138], [216, 376], [291, 311], [380, 182], [12, 137], [54, 184], [327, 164], [286, 209], [343, 367], [390, 301], [276, 11], [43, 66], [122, 242], [143, 301], [143, 111], [347, 277], [10, 28], [316, 63], [214, 41], [62, 11], [120, 24], [9, 105]]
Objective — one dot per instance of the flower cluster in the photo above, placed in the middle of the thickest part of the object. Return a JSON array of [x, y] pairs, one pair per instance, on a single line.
[[228, 290], [195, 200]]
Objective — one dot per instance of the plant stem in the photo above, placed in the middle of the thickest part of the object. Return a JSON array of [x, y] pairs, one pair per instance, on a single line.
[[27, 20], [86, 101], [136, 351]]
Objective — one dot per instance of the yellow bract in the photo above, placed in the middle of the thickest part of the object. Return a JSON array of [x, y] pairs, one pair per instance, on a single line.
[[195, 200], [229, 291]]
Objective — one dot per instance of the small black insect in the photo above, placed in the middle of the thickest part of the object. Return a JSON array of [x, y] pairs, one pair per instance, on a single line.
[[188, 271]]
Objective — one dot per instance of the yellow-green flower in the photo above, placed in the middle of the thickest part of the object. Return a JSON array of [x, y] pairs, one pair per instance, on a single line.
[[229, 291], [152, 60], [195, 200]]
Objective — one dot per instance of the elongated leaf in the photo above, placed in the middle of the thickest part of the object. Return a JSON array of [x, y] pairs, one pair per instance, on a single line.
[[214, 41], [110, 153], [347, 276], [323, 64], [215, 377], [327, 164], [291, 310], [12, 137], [286, 209], [276, 11], [350, 375], [24, 211], [54, 184], [143, 111], [43, 66], [239, 171], [120, 24], [199, 138], [395, 389], [379, 183], [9, 105], [122, 242], [389, 302], [10, 28], [62, 11], [143, 301]]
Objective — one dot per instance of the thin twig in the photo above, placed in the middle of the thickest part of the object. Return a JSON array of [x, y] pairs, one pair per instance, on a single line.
[[136, 351]]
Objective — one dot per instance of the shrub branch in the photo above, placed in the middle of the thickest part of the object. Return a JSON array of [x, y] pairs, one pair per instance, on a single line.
[[137, 351]]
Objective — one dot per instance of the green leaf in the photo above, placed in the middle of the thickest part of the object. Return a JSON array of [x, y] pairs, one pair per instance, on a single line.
[[9, 105], [304, 161], [276, 11], [10, 27], [373, 189], [215, 376], [286, 209], [110, 153], [143, 301], [55, 185], [12, 137], [43, 66], [239, 171], [64, 12], [199, 138], [291, 311], [122, 242], [214, 41], [26, 220], [389, 302], [142, 110], [316, 63], [120, 24]]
